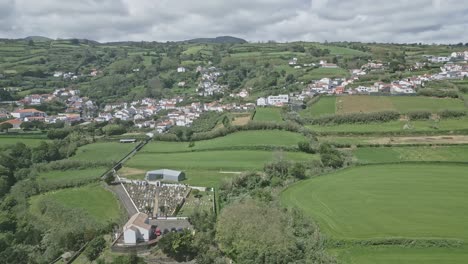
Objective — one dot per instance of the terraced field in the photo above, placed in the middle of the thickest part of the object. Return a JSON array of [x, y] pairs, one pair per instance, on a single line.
[[268, 114], [107, 151]]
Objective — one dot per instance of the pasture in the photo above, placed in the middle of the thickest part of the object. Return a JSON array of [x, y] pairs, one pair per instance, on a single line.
[[379, 140], [319, 73], [28, 141], [388, 201], [63, 177], [268, 114], [93, 199], [442, 126], [237, 160], [105, 151], [400, 255], [239, 139], [366, 104], [399, 154]]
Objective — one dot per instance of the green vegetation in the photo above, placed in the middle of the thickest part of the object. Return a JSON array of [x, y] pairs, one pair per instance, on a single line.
[[65, 177], [389, 201], [11, 140], [93, 199], [268, 114], [324, 106], [319, 73], [400, 154], [108, 151], [245, 139]]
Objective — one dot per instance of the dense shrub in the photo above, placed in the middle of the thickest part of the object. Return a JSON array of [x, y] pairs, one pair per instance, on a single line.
[[419, 115], [438, 93], [354, 118], [452, 113], [331, 157], [94, 248], [58, 133]]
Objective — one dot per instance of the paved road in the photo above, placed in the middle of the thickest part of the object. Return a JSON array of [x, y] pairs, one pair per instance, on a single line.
[[124, 199]]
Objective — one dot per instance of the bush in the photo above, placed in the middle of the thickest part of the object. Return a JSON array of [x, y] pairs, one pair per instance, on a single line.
[[438, 93], [94, 248], [355, 118], [452, 114], [419, 115]]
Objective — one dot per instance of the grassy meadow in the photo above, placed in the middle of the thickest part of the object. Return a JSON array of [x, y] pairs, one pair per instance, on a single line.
[[107, 151], [398, 154], [268, 114], [409, 201], [366, 104], [239, 139], [93, 199], [69, 176]]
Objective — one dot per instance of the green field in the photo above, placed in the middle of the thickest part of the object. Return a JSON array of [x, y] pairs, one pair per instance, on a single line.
[[239, 139], [11, 140], [397, 154], [325, 106], [319, 73], [268, 114], [364, 104], [391, 255], [69, 176], [238, 160], [446, 125], [411, 201], [93, 199], [108, 151]]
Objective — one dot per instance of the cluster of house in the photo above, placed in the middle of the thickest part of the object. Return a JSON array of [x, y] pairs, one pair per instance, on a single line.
[[454, 56], [77, 108], [273, 100], [73, 76], [143, 111], [208, 85], [323, 63]]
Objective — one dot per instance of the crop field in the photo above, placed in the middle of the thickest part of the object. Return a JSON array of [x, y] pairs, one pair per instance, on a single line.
[[108, 151], [268, 114], [446, 125], [410, 201], [93, 199], [69, 176], [239, 139], [397, 154]]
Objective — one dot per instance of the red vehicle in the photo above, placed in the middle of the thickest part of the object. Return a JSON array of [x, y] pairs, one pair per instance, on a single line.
[[157, 232]]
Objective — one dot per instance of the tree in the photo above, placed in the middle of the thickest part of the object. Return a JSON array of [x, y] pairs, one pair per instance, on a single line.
[[94, 248], [298, 170], [178, 245], [5, 126], [109, 178]]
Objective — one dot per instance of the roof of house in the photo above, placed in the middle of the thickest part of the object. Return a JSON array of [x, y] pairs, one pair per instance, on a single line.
[[29, 110], [166, 172], [138, 220], [13, 122]]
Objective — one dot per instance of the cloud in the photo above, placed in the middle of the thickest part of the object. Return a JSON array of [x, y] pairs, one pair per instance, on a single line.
[[255, 20]]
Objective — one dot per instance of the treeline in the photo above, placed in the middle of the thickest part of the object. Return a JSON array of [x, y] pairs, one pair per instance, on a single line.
[[438, 93], [355, 118]]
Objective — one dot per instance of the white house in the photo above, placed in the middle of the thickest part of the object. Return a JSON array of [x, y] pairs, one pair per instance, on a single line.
[[181, 69], [261, 101], [28, 113], [278, 99], [137, 229]]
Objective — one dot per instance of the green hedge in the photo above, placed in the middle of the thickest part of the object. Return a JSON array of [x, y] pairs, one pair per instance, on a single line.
[[355, 118]]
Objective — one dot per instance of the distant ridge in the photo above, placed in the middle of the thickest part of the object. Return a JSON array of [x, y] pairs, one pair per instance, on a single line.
[[221, 39], [38, 38]]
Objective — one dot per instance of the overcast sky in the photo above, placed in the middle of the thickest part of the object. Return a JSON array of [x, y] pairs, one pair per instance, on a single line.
[[439, 21]]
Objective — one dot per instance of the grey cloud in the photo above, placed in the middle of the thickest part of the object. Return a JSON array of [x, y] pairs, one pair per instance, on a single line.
[[255, 20]]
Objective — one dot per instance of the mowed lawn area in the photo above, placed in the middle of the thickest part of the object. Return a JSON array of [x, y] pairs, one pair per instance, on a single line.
[[366, 104], [425, 153], [93, 199], [268, 114], [105, 151], [410, 201], [396, 126], [239, 139], [69, 176]]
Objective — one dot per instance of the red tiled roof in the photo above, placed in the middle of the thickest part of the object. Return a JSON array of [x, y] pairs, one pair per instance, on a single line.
[[29, 110]]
